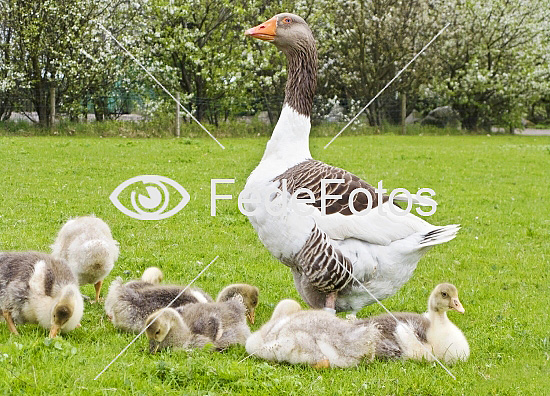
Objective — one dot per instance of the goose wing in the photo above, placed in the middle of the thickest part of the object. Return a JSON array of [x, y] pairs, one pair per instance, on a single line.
[[375, 223]]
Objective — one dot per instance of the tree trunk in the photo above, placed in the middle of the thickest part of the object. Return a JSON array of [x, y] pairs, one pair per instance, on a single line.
[[178, 114], [99, 109], [52, 104], [403, 114], [270, 114], [5, 107], [40, 94], [85, 109], [41, 104]]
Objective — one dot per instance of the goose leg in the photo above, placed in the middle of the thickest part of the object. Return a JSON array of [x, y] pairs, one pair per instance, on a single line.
[[98, 290], [351, 316], [330, 301], [321, 364], [9, 321]]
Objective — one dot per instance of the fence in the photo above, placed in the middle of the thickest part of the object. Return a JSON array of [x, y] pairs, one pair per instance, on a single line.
[[53, 107]]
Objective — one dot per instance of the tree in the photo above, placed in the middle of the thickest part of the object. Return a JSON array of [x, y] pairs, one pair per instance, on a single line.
[[56, 44], [489, 62], [364, 43]]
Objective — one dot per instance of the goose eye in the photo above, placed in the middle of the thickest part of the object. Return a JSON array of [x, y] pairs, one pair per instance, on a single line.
[[287, 20], [158, 332], [444, 294]]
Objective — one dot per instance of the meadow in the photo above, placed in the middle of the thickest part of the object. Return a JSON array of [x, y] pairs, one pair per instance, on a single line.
[[497, 188]]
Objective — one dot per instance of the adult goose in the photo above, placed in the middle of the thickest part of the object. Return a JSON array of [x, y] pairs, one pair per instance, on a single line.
[[380, 247]]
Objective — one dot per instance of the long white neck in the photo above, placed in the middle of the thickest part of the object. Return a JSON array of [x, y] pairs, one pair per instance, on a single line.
[[289, 143], [290, 139]]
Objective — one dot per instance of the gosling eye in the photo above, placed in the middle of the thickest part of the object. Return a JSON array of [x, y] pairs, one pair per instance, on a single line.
[[158, 332], [444, 294]]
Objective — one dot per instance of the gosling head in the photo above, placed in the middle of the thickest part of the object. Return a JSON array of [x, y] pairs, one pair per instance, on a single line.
[[249, 295], [67, 311], [445, 297], [285, 308], [159, 326], [152, 275]]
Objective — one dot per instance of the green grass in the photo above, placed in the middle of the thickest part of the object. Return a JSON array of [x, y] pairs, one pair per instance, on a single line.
[[164, 127], [496, 187]]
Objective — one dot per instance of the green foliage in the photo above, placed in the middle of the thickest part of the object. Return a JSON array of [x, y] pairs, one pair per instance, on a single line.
[[59, 45], [493, 186], [364, 43], [163, 125], [491, 64]]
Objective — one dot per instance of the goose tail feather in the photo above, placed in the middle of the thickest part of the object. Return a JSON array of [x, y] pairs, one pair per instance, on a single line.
[[439, 235]]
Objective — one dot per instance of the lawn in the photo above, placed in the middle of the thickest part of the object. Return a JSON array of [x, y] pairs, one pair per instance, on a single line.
[[496, 187]]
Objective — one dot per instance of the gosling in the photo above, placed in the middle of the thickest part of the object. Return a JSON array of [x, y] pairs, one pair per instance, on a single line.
[[194, 325], [37, 288], [416, 335], [129, 304], [314, 337], [249, 294], [88, 247]]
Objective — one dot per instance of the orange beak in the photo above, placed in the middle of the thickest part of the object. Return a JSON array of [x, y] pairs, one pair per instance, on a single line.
[[251, 316], [54, 330], [265, 31], [457, 306]]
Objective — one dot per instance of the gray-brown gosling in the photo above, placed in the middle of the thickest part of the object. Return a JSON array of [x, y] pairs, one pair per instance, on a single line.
[[129, 304], [249, 294], [194, 325], [37, 288], [314, 337], [170, 330], [152, 275], [88, 247], [432, 330]]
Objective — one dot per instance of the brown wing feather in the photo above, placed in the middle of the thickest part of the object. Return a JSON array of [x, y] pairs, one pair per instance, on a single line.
[[308, 174]]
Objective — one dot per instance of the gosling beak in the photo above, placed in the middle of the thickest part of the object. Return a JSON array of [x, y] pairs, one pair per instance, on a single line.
[[457, 306], [54, 330], [251, 316], [265, 31], [153, 346]]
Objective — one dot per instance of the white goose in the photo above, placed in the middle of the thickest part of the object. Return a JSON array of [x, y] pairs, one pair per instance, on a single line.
[[381, 248]]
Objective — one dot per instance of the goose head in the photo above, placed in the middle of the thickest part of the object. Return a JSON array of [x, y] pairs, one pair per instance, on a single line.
[[287, 31], [152, 275], [292, 35], [249, 296], [285, 308], [444, 298], [67, 311], [160, 325], [166, 328]]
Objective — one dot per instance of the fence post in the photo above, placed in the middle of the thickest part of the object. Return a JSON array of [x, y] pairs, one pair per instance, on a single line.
[[403, 113], [52, 104], [178, 114]]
